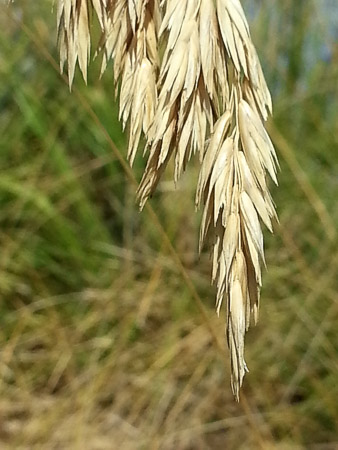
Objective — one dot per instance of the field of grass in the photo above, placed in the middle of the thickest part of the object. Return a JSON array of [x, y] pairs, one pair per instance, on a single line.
[[103, 341]]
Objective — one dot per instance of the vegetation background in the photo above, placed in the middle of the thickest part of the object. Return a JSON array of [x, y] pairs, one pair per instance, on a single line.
[[103, 345]]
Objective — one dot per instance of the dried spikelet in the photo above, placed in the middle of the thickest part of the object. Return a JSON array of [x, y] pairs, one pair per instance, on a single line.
[[197, 73], [189, 98], [208, 87], [232, 185], [129, 37], [73, 18]]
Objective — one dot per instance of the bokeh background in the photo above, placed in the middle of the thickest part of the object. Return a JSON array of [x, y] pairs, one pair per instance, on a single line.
[[103, 344]]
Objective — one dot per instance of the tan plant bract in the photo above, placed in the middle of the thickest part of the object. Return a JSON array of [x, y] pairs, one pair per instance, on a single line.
[[130, 39], [74, 32], [205, 94]]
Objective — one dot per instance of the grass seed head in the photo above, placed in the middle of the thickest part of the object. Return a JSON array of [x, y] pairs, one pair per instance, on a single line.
[[205, 94]]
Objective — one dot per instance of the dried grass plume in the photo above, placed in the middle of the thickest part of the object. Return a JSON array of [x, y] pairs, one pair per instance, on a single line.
[[189, 81]]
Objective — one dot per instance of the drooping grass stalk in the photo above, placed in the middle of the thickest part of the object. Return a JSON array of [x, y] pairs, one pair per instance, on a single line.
[[204, 93]]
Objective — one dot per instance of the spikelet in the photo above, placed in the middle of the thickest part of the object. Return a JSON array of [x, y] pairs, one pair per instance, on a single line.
[[129, 37], [192, 89], [233, 189], [131, 40], [232, 185], [204, 93], [73, 23]]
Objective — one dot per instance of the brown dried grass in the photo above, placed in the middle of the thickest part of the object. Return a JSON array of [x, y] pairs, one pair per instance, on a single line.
[[191, 82]]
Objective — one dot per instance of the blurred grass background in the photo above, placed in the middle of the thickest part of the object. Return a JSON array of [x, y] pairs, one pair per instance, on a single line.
[[103, 345]]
